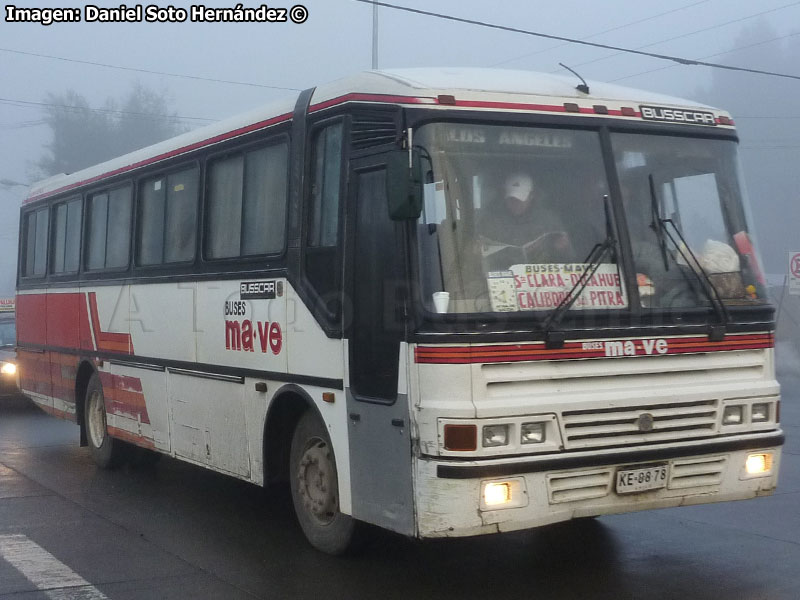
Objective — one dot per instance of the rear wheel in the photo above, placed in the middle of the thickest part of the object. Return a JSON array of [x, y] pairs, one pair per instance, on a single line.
[[106, 452], [315, 488]]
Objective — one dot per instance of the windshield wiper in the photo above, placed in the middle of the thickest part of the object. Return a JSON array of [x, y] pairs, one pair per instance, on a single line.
[[656, 224], [592, 261], [715, 334]]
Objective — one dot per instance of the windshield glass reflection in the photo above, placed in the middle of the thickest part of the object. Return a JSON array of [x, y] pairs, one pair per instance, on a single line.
[[510, 215]]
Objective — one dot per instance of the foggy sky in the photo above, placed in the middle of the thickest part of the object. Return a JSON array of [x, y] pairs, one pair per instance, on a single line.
[[336, 41]]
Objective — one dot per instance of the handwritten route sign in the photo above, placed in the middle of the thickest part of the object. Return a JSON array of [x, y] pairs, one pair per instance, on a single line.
[[794, 273], [544, 286]]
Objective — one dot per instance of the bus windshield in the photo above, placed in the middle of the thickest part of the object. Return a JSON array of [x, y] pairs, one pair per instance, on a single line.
[[512, 213], [684, 204]]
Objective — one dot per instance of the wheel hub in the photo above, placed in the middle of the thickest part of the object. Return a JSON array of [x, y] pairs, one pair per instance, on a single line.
[[97, 419], [316, 482]]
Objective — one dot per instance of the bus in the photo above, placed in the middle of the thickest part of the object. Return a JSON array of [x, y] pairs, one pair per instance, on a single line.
[[443, 302]]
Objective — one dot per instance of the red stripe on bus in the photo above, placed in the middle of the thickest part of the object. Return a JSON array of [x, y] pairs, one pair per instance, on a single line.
[[109, 341], [124, 397], [559, 108], [387, 98], [31, 327], [573, 350], [63, 320], [540, 346]]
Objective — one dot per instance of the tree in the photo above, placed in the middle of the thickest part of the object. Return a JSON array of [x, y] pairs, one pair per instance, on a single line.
[[83, 136]]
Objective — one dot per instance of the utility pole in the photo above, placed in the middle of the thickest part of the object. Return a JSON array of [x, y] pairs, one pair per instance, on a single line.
[[374, 36]]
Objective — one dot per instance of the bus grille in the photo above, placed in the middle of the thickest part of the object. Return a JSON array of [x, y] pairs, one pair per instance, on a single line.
[[626, 425]]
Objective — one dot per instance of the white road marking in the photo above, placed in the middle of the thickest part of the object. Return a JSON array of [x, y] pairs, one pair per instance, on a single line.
[[45, 571]]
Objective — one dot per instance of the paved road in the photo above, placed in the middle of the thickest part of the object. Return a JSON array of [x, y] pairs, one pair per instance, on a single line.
[[176, 531]]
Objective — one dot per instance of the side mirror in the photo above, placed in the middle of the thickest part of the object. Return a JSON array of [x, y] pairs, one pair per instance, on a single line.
[[404, 186]]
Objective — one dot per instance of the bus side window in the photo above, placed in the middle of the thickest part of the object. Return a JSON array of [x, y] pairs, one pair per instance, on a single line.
[[181, 218], [246, 208], [35, 230], [66, 237], [322, 240], [168, 218], [108, 229]]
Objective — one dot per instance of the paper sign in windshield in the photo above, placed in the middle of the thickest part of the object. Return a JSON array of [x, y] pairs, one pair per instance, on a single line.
[[544, 286], [502, 291]]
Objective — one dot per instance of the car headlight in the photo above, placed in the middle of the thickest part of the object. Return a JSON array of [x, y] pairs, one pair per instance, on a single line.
[[733, 415], [8, 368]]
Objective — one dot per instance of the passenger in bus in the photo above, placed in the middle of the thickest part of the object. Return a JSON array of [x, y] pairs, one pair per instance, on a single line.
[[518, 218]]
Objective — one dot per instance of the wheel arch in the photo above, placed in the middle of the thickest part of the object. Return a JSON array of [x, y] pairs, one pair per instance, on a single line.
[[84, 373], [289, 404]]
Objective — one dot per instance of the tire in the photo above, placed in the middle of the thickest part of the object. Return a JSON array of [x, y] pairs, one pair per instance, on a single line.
[[106, 452], [315, 489]]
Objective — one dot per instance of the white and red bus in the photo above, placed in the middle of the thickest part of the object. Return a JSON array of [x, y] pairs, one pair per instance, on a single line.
[[443, 302]]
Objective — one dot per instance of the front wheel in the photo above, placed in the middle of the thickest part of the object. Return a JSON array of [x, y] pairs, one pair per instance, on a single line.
[[105, 450], [315, 488]]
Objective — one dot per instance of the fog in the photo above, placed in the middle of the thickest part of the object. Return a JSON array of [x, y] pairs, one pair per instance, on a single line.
[[336, 41]]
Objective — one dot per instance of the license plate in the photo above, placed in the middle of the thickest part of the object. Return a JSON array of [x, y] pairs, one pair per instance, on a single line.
[[641, 479]]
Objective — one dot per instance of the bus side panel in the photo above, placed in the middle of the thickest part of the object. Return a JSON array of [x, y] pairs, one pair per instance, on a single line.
[[63, 331], [162, 319], [34, 365], [247, 334], [208, 422], [108, 315], [310, 352]]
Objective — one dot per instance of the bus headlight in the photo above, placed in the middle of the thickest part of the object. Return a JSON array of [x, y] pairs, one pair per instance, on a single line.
[[759, 413], [532, 433], [8, 368], [733, 415], [495, 435]]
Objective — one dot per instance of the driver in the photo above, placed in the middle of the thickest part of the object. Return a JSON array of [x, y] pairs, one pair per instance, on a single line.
[[519, 218]]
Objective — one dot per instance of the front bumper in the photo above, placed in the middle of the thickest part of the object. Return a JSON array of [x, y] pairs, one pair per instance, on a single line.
[[569, 485]]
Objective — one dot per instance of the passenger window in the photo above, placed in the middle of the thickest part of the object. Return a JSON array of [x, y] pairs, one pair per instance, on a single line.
[[226, 179], [168, 217], [108, 232], [247, 203], [66, 237], [35, 231]]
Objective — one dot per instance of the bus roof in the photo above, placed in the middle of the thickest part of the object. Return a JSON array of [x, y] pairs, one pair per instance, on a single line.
[[482, 89]]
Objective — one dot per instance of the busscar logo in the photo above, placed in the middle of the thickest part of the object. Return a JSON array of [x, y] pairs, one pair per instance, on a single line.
[[257, 290], [678, 115]]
